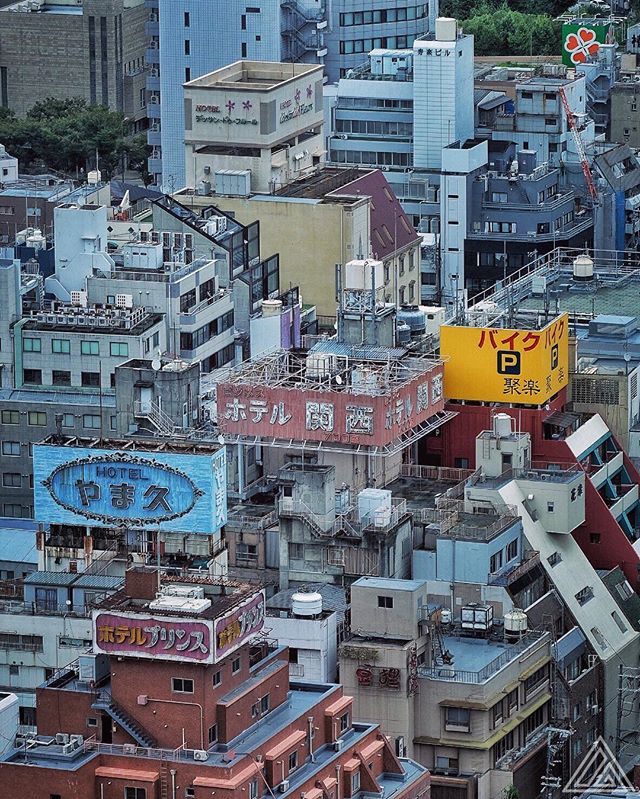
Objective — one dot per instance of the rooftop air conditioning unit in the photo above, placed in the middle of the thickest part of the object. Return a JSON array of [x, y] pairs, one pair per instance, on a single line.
[[337, 745], [200, 754], [284, 786], [128, 749], [62, 738]]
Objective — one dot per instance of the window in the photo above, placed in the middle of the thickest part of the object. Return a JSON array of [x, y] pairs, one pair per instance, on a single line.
[[12, 510], [119, 348], [60, 346], [32, 377], [355, 782], [537, 679], [385, 601], [91, 421], [235, 665], [624, 590], [14, 670], [594, 538], [584, 595], [12, 480], [446, 763], [527, 96], [135, 793], [187, 20], [213, 733], [573, 670], [10, 417], [597, 634], [550, 507], [31, 345], [293, 761], [187, 47], [187, 74], [68, 420], [264, 704], [296, 551], [246, 552], [92, 721], [243, 50], [253, 789], [554, 558], [254, 710], [457, 718], [37, 418], [495, 562], [90, 379], [216, 679], [179, 685], [512, 550], [618, 620], [60, 378], [499, 197], [461, 463], [11, 448], [344, 723], [90, 348]]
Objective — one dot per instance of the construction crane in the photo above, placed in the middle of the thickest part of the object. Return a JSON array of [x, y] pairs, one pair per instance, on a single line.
[[588, 177]]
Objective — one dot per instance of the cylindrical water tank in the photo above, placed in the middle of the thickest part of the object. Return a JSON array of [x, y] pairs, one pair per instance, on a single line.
[[446, 29], [403, 333], [515, 623], [306, 604], [271, 308], [411, 315], [502, 425], [583, 268]]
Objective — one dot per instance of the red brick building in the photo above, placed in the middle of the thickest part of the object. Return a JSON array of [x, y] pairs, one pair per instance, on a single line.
[[183, 698]]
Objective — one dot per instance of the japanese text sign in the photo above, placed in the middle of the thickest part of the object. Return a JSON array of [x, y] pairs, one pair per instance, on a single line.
[[111, 488], [520, 367], [237, 626], [144, 636], [371, 419]]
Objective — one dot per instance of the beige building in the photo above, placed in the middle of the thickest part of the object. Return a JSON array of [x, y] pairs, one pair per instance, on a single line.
[[332, 216], [262, 120], [471, 708]]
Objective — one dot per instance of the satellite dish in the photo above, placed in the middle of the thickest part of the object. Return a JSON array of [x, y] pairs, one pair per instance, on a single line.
[[338, 380], [156, 364], [221, 440]]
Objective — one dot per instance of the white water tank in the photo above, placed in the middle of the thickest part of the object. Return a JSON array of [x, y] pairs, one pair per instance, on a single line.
[[446, 29], [365, 381], [445, 616], [306, 604], [374, 503], [515, 623], [94, 177], [271, 308], [502, 425], [319, 366], [36, 240], [583, 268]]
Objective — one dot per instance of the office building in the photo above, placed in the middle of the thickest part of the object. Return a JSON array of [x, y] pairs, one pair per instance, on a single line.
[[90, 49]]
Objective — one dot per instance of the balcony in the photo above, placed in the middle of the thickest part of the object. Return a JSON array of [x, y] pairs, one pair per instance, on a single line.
[[152, 55], [153, 110], [347, 525], [625, 503], [605, 472], [152, 27], [153, 82], [154, 165], [193, 316], [154, 137]]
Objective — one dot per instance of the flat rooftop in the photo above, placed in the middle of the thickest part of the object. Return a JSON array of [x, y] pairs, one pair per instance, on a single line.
[[254, 76], [224, 595], [321, 183]]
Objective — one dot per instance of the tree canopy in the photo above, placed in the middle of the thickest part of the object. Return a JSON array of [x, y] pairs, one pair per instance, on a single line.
[[500, 30], [65, 135]]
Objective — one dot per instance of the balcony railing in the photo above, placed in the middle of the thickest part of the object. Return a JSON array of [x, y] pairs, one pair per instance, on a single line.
[[534, 639]]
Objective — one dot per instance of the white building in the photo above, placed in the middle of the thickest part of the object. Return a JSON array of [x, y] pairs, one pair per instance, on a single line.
[[8, 166], [443, 68], [299, 621]]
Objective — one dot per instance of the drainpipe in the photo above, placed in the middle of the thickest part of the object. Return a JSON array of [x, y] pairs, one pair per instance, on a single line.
[[173, 783], [312, 757], [338, 767]]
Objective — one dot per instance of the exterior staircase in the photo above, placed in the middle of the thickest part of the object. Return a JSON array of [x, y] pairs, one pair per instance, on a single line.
[[105, 702]]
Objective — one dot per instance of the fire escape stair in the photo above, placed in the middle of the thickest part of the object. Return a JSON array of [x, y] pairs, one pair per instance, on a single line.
[[127, 722]]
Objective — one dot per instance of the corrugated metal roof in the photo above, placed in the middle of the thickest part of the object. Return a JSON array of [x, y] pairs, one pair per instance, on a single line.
[[368, 353], [18, 545], [102, 581], [570, 646], [50, 578]]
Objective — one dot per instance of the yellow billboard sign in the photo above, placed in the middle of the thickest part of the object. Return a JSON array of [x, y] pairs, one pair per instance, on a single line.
[[520, 367]]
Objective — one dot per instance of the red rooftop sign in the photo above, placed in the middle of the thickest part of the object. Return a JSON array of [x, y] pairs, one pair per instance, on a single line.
[[144, 635], [346, 417]]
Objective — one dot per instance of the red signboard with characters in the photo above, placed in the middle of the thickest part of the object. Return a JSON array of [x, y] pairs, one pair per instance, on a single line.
[[145, 636], [237, 626], [329, 416]]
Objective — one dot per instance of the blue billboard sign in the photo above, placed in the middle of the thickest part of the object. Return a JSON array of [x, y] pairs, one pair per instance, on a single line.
[[130, 488]]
